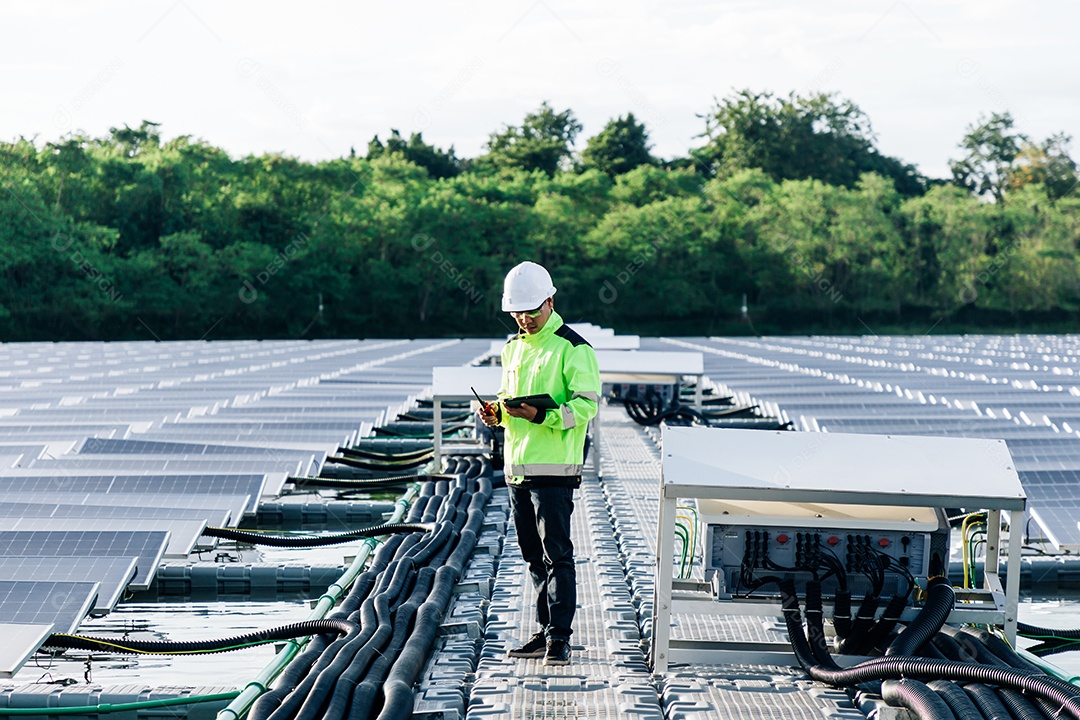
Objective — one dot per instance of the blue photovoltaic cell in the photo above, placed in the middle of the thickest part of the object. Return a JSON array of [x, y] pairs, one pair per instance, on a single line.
[[64, 604], [1023, 389], [112, 574], [147, 547], [250, 485]]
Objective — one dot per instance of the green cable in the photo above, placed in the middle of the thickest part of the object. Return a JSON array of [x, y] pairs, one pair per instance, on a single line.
[[119, 707], [694, 537], [684, 536]]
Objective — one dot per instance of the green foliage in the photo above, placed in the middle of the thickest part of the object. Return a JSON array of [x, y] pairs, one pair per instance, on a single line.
[[542, 142], [1048, 164], [991, 148], [439, 163], [797, 138], [132, 236], [620, 147]]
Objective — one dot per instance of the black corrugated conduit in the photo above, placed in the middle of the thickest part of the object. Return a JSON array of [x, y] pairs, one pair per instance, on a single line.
[[842, 613], [1019, 706], [303, 541], [371, 483], [195, 647], [319, 652], [398, 689], [1000, 649], [375, 465], [916, 697], [958, 701], [884, 627], [860, 629], [1057, 693], [815, 625], [951, 649], [426, 451], [1039, 633], [940, 600], [397, 607], [987, 701]]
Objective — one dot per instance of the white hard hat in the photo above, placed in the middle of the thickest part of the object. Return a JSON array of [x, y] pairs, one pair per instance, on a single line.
[[526, 287]]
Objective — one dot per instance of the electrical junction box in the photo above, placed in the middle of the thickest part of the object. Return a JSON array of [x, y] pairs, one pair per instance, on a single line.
[[747, 540], [662, 394], [753, 486]]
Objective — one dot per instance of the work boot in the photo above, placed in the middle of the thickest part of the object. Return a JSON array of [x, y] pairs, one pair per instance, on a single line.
[[558, 652], [533, 648]]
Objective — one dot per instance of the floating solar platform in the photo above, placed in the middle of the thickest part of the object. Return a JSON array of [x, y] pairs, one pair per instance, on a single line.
[[232, 507], [149, 484], [113, 574], [147, 547], [60, 604], [20, 642], [215, 517], [183, 534], [1023, 389]]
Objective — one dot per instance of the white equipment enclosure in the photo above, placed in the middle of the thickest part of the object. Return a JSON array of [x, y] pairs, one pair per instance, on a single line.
[[887, 489]]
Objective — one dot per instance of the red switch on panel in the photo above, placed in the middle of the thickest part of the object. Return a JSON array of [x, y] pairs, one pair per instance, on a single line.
[[833, 540], [883, 542], [782, 538]]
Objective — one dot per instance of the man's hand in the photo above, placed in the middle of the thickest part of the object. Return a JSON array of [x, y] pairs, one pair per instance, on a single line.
[[524, 410], [488, 416]]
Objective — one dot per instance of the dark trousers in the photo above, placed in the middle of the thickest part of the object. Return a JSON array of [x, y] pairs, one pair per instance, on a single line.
[[542, 519]]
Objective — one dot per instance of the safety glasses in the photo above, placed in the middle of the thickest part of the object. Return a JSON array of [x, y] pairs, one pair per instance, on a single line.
[[528, 313]]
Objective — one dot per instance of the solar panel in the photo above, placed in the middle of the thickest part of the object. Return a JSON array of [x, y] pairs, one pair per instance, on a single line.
[[233, 505], [981, 386], [250, 485], [183, 534], [61, 604], [147, 547], [217, 517], [112, 574], [20, 642], [128, 446], [176, 463]]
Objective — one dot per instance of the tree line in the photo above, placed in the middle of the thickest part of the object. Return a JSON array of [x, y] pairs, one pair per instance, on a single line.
[[787, 218]]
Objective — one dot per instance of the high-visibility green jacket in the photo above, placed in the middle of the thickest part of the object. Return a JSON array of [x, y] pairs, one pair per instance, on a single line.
[[559, 362]]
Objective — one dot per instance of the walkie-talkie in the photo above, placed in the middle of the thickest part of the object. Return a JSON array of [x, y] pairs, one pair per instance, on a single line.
[[486, 405]]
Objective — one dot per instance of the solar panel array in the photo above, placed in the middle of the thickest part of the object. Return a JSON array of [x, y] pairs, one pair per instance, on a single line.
[[1022, 388], [115, 455]]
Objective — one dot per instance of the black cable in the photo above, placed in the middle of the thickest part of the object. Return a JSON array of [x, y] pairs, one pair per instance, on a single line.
[[299, 541], [857, 638], [359, 483], [988, 701], [428, 449], [1019, 706], [1057, 693], [889, 618], [815, 627], [940, 600], [961, 704], [842, 613], [916, 697], [374, 465], [191, 647], [1053, 648], [1043, 633], [1001, 650]]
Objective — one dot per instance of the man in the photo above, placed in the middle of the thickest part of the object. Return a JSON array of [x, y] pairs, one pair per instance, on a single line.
[[544, 449]]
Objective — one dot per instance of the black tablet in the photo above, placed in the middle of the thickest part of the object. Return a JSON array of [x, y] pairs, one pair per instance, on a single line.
[[543, 402]]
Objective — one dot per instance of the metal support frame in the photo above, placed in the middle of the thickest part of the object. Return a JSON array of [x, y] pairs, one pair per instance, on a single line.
[[725, 464], [454, 384]]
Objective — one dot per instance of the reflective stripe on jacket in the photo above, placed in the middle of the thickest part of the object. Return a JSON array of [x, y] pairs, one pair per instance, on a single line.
[[559, 362]]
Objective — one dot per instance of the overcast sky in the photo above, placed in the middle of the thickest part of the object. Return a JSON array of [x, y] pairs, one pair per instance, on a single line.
[[316, 78]]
